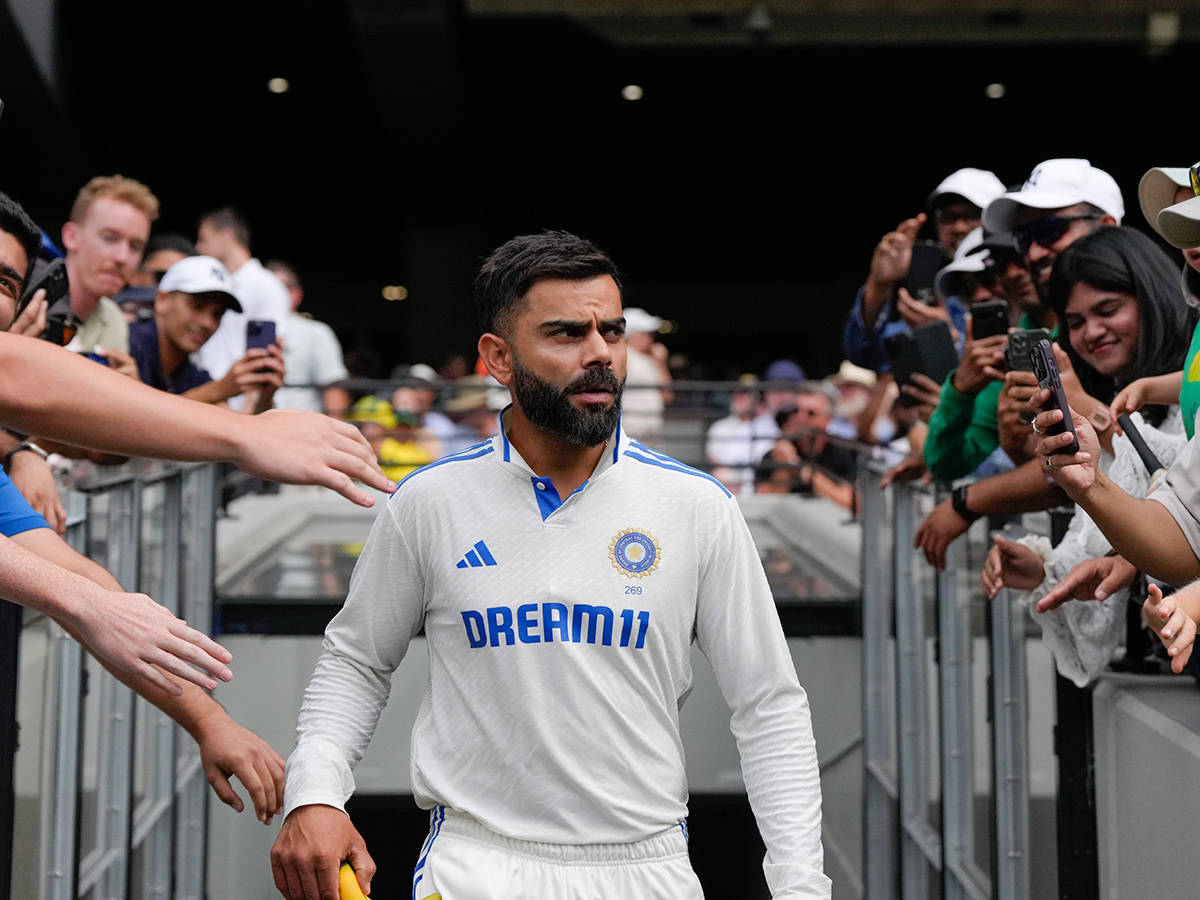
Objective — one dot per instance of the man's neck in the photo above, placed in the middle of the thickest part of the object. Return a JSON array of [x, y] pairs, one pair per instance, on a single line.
[[83, 304], [567, 465], [169, 355], [237, 257]]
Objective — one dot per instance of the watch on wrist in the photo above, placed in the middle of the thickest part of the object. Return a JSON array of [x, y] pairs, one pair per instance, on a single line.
[[24, 445], [958, 500], [1101, 419]]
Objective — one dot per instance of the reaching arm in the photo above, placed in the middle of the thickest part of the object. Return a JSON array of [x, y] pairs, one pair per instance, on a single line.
[[1158, 535], [47, 390], [129, 632], [226, 748]]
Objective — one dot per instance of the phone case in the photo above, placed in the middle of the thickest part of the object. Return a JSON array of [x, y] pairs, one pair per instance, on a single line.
[[1020, 342], [1046, 370], [989, 318]]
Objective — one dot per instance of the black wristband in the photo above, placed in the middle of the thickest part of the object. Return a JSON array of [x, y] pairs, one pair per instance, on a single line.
[[958, 500]]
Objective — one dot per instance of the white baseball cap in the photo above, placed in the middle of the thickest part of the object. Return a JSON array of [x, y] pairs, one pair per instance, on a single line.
[[971, 256], [1054, 184], [1180, 224], [1157, 189], [200, 275], [638, 321], [979, 186]]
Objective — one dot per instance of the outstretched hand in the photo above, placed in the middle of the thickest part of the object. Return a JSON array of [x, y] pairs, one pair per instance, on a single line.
[[1175, 628], [134, 634], [1092, 579], [1013, 565], [226, 748], [308, 448]]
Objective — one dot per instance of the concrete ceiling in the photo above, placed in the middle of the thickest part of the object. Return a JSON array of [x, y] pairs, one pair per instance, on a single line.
[[1159, 23]]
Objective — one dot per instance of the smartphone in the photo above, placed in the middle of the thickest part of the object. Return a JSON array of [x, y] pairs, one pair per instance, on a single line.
[[50, 275], [928, 349], [1046, 370], [928, 259], [1020, 342], [260, 333], [989, 318]]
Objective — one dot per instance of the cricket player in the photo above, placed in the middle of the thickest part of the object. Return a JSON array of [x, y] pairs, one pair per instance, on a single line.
[[561, 572]]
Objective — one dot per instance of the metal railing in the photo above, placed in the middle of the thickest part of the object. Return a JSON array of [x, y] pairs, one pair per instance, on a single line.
[[110, 793], [924, 832]]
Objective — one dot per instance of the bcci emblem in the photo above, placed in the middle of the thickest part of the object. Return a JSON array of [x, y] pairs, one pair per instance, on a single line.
[[634, 553]]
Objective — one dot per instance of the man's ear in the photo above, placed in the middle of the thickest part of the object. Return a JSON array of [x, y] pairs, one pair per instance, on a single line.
[[497, 356], [70, 235]]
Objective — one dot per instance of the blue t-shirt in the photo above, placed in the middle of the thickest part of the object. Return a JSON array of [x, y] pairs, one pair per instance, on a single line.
[[16, 515], [143, 347]]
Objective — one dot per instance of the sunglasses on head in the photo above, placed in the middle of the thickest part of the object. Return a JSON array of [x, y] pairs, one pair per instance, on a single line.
[[1046, 232], [1194, 175]]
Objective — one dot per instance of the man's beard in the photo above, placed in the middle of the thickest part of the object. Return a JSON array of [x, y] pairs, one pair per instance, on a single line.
[[549, 407]]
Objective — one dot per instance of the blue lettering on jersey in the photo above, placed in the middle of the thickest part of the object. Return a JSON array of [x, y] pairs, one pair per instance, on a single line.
[[581, 624]]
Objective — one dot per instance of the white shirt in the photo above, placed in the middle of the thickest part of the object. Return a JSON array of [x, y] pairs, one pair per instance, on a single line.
[[642, 408], [559, 637], [263, 297], [312, 358]]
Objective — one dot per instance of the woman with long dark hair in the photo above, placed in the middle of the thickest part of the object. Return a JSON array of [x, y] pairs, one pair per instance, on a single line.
[[1122, 318]]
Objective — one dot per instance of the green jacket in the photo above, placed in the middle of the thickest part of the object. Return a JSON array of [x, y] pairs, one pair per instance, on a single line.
[[963, 431]]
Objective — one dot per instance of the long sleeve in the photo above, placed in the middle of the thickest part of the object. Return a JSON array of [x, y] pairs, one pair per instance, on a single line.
[[863, 346], [738, 630], [963, 431], [363, 645]]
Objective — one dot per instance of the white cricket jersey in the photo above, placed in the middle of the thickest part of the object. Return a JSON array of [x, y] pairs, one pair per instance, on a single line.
[[559, 634]]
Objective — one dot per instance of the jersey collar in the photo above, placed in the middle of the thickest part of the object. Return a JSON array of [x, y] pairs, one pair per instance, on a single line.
[[548, 500]]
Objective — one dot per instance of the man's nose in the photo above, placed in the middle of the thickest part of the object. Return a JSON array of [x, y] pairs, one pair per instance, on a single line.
[[597, 350]]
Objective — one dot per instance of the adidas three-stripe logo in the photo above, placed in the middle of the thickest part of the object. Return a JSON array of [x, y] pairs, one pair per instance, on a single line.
[[477, 557]]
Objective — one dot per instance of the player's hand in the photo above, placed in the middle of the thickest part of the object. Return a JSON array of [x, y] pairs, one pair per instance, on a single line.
[[309, 851], [34, 479], [32, 320], [120, 361], [226, 748], [1013, 565], [1074, 473], [1092, 579], [940, 527], [134, 634], [1175, 628], [308, 448], [927, 393]]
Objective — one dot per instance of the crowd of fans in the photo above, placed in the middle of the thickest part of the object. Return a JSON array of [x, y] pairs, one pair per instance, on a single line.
[[937, 379], [954, 300]]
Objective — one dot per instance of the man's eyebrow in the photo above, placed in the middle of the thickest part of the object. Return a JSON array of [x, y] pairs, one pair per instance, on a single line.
[[12, 273]]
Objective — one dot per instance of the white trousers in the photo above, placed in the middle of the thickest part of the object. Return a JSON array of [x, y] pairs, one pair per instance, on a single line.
[[463, 860]]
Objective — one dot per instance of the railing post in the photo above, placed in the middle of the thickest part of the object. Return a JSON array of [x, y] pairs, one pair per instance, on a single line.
[[920, 846], [1010, 748], [880, 792], [10, 647], [959, 879]]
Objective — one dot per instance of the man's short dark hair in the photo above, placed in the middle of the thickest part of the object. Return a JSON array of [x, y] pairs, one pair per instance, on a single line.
[[228, 218], [169, 240], [515, 266], [16, 222]]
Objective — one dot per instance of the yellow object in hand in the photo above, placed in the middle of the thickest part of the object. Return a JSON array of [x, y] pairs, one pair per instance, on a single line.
[[348, 884]]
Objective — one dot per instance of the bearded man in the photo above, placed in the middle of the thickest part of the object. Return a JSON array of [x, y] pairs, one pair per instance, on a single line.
[[560, 572]]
